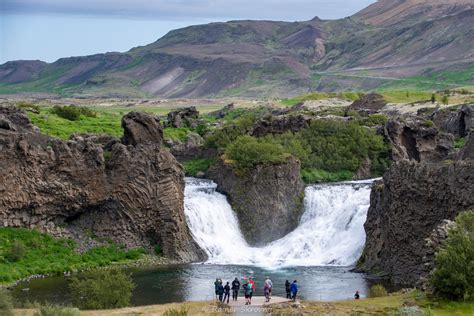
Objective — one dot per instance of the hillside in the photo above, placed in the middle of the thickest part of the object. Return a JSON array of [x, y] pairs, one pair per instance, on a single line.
[[403, 43]]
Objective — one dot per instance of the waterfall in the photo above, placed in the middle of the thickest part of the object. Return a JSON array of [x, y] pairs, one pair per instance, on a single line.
[[330, 232]]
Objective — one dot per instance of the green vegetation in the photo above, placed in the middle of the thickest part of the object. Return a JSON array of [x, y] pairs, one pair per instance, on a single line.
[[460, 143], [378, 290], [453, 277], [25, 252], [328, 150], [317, 175], [193, 167], [350, 96], [51, 310], [176, 134], [246, 152], [28, 106], [183, 311], [72, 112], [102, 289], [405, 96], [6, 303]]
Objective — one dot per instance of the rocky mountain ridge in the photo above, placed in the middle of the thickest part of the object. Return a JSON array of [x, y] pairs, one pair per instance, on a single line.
[[389, 39]]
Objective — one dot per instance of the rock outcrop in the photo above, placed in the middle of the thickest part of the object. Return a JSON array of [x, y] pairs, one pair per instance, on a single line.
[[415, 141], [368, 104], [186, 117], [280, 124], [411, 202], [268, 200], [459, 123], [130, 191]]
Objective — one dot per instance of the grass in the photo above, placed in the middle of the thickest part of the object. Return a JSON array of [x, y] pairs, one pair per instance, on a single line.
[[176, 134], [389, 305], [25, 252], [193, 167], [407, 96], [460, 143], [107, 121], [317, 175], [350, 96]]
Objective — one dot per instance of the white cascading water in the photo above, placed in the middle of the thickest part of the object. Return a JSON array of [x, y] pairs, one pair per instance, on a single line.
[[331, 230]]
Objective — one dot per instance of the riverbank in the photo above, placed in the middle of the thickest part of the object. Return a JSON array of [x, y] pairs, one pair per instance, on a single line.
[[408, 303]]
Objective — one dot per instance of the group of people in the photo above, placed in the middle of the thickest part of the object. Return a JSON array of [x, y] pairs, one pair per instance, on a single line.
[[248, 285]]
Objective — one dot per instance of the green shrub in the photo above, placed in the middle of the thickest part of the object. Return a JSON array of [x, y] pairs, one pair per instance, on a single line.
[[460, 143], [51, 310], [453, 276], [72, 112], [6, 303], [44, 254], [246, 152], [183, 311], [375, 120], [377, 290], [158, 250], [445, 99], [102, 289], [27, 106], [176, 134], [17, 251], [316, 175], [192, 167], [428, 123], [222, 137]]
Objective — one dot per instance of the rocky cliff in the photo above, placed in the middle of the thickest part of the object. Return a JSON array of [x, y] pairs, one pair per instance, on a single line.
[[95, 187], [268, 200], [407, 208]]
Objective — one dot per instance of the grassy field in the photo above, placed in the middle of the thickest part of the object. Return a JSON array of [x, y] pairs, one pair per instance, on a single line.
[[398, 304], [107, 121], [25, 252]]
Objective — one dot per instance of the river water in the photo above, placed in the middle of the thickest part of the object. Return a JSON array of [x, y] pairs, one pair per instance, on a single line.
[[319, 253]]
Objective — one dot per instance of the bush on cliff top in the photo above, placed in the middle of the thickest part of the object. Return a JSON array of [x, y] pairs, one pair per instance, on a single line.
[[72, 112], [453, 276], [43, 254], [247, 151]]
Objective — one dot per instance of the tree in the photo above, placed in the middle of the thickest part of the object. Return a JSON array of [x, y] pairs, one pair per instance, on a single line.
[[101, 289], [453, 276], [433, 98], [445, 99]]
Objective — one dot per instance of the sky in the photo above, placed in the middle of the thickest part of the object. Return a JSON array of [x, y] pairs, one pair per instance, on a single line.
[[50, 29]]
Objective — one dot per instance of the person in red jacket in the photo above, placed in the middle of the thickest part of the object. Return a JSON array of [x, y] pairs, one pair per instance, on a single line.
[[253, 288]]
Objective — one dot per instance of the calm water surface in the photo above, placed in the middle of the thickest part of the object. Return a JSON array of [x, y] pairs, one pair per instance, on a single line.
[[194, 282]]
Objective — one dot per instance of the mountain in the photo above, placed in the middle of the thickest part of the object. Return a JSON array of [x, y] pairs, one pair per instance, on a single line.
[[421, 44]]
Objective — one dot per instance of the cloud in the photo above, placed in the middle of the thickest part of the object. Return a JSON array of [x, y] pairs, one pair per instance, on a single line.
[[288, 10]]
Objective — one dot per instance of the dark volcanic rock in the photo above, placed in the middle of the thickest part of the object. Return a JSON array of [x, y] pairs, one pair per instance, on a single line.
[[183, 117], [368, 104], [268, 200], [459, 123], [406, 207], [130, 192], [280, 124], [192, 148], [413, 141]]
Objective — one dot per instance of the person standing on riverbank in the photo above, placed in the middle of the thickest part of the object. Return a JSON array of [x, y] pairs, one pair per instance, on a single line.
[[220, 291], [252, 286], [235, 289], [216, 287], [247, 292], [267, 289], [288, 289], [294, 290], [226, 292]]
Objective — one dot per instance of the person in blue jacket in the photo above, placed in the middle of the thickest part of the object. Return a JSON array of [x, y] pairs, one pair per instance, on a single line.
[[294, 290]]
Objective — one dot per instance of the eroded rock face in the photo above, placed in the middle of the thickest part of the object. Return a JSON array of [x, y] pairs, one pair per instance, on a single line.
[[186, 117], [412, 141], [280, 124], [268, 200], [459, 123], [130, 191], [406, 208], [369, 104]]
